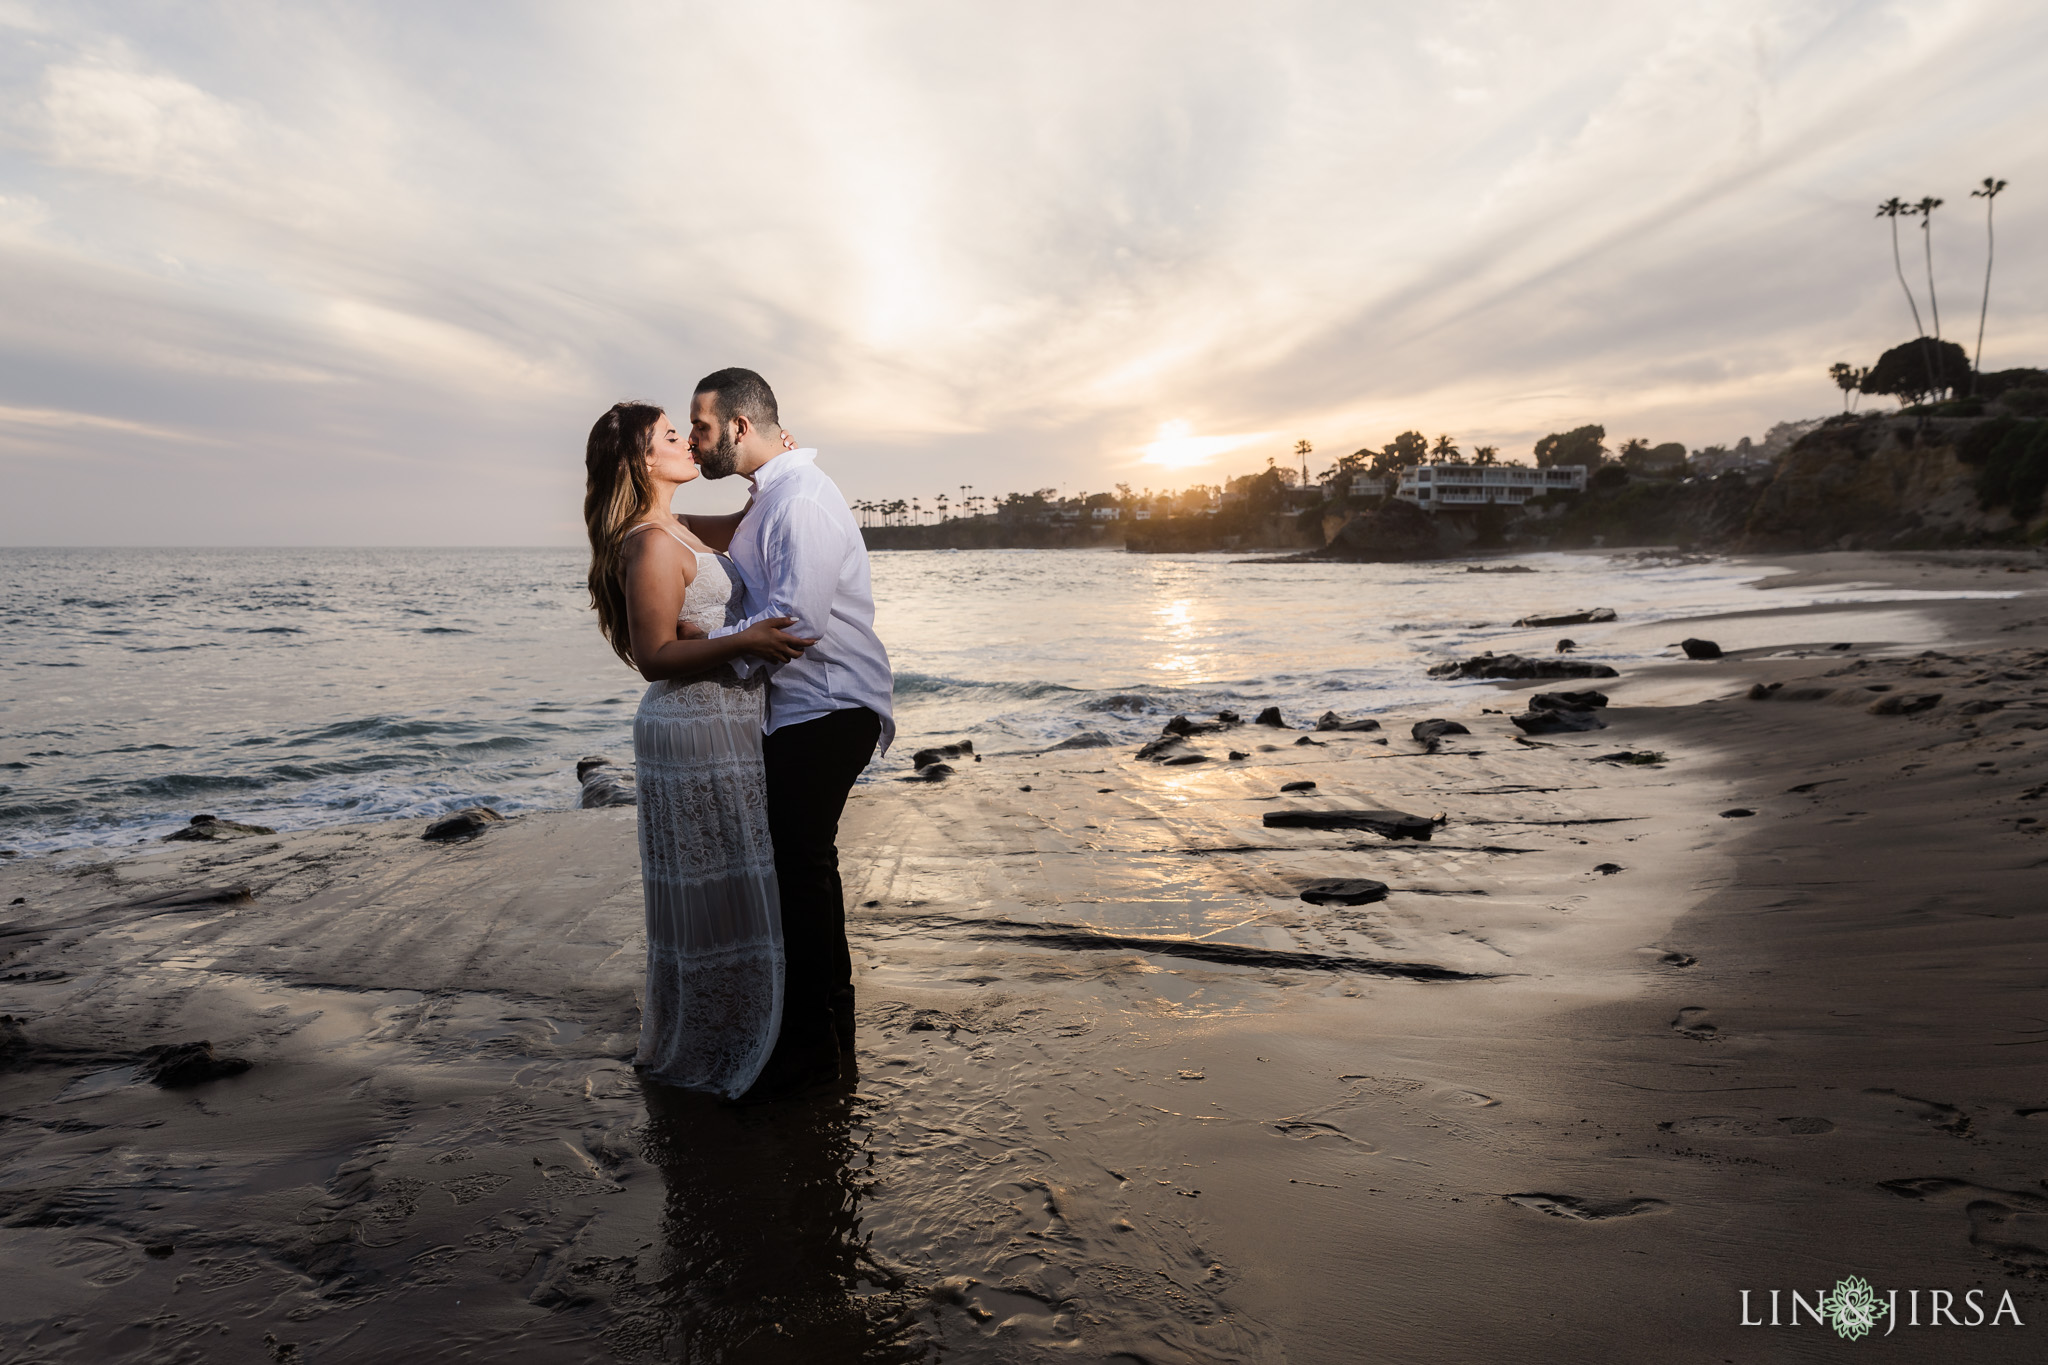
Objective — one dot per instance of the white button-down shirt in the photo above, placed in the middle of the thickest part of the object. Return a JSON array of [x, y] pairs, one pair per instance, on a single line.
[[799, 553]]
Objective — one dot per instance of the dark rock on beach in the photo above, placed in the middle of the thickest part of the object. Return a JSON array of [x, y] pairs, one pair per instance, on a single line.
[[207, 827], [1520, 667], [1394, 824], [931, 772], [1270, 716], [1330, 720], [1570, 618], [924, 758], [1087, 739], [1567, 701], [1700, 649], [604, 783], [1181, 725], [1297, 786], [1432, 732], [1566, 646], [464, 824], [1905, 704], [1344, 891], [1498, 568], [183, 1064], [1562, 720]]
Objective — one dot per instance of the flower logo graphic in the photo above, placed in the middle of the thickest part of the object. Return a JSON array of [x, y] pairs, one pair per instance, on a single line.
[[1852, 1309]]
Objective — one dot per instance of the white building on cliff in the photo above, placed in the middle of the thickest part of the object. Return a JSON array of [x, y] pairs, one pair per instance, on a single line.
[[1434, 487]]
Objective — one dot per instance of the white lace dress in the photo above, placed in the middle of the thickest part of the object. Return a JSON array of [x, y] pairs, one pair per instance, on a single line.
[[714, 922]]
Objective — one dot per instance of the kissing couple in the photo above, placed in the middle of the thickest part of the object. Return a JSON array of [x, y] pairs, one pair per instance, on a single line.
[[769, 693]]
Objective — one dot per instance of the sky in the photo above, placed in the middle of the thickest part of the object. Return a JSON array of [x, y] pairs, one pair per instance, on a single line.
[[364, 273]]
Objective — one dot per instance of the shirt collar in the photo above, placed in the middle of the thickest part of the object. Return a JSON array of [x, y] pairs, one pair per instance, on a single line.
[[781, 467]]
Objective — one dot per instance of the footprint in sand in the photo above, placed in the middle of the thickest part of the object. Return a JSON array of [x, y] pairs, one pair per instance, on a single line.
[[1693, 1022], [1585, 1210], [1475, 1098], [1946, 1117], [2010, 1226]]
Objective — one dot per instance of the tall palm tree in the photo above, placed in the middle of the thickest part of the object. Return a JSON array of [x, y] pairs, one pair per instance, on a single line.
[[1990, 192], [1894, 208], [1925, 208], [1445, 450]]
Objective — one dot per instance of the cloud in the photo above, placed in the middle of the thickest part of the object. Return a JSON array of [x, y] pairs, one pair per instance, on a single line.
[[353, 250]]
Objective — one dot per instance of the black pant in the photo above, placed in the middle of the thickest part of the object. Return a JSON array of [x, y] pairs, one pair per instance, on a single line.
[[811, 767]]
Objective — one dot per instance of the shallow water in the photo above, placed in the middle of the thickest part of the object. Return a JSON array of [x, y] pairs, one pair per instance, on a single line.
[[296, 688]]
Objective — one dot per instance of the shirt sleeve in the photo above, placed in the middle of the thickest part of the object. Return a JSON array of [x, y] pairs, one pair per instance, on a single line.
[[801, 550]]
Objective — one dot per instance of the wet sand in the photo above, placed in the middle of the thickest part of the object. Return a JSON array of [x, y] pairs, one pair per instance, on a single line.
[[1603, 1057]]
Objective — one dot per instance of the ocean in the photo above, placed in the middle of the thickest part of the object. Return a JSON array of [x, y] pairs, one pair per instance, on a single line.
[[304, 687]]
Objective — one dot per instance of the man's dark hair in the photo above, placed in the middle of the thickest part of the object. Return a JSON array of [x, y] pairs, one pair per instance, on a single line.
[[741, 393]]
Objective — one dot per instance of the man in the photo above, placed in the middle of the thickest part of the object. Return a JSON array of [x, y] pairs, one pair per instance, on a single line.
[[800, 554]]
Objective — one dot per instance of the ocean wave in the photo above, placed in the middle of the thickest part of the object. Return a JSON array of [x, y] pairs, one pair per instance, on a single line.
[[926, 684]]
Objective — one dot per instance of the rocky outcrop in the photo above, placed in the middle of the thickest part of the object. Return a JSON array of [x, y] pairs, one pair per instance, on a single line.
[[185, 1064], [1394, 824], [1700, 649], [939, 753], [1430, 733], [1330, 720], [604, 783], [1396, 532], [1516, 666], [1570, 618], [205, 828], [463, 824]]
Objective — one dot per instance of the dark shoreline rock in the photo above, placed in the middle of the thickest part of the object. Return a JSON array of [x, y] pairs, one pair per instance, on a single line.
[[205, 828], [605, 783], [939, 753], [1700, 649], [1432, 732], [1330, 720], [186, 1064], [1517, 666], [1570, 618], [463, 824], [1394, 824], [1344, 891]]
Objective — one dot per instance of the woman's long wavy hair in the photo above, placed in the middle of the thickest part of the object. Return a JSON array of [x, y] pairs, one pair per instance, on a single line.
[[616, 493]]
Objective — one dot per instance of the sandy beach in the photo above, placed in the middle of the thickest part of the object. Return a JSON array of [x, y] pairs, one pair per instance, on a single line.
[[1757, 1011]]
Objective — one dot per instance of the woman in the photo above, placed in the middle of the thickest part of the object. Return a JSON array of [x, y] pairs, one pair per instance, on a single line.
[[714, 936]]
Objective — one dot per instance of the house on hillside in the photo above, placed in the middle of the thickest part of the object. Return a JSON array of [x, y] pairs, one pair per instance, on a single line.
[[1435, 487]]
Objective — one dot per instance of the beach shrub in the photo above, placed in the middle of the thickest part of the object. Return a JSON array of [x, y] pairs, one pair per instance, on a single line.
[[1978, 443], [2005, 473], [2030, 475], [2028, 401]]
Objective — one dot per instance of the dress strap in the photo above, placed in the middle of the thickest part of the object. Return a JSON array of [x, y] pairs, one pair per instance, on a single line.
[[638, 527]]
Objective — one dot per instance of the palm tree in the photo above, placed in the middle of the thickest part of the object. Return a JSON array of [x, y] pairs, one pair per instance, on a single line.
[[1893, 208], [1302, 450], [1849, 379], [1484, 455], [1445, 450], [1987, 194], [1925, 208]]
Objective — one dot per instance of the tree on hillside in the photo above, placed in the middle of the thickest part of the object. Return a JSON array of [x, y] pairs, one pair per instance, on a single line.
[[1990, 192], [1849, 379], [1484, 455], [1302, 450], [1405, 451], [1633, 446], [1347, 465], [1585, 445], [1919, 369]]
